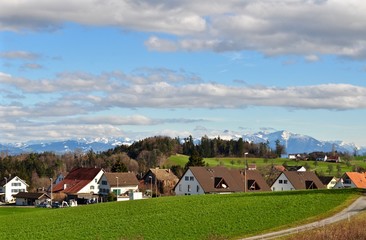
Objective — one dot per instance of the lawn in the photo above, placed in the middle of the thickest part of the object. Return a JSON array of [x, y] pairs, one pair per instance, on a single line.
[[187, 217]]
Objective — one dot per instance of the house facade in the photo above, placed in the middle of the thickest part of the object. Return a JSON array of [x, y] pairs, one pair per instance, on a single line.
[[352, 180], [329, 181], [123, 184], [205, 180], [84, 184], [10, 187], [293, 180]]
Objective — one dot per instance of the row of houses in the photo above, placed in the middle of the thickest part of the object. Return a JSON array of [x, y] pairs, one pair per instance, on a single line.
[[89, 185]]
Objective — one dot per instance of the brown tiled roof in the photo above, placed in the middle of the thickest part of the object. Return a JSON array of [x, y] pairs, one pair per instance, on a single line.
[[77, 179], [164, 174], [234, 179], [31, 195], [298, 179], [124, 179], [359, 179]]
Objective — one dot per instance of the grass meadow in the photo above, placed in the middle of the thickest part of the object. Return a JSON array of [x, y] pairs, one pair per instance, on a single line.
[[227, 216], [321, 167]]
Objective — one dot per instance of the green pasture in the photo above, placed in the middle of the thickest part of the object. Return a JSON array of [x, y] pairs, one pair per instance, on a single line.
[[228, 216], [324, 168]]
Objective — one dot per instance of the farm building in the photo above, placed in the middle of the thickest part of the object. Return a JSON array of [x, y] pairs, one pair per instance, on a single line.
[[84, 184], [123, 184], [30, 199], [160, 181]]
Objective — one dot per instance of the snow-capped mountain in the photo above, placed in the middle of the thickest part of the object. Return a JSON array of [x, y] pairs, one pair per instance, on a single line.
[[294, 143]]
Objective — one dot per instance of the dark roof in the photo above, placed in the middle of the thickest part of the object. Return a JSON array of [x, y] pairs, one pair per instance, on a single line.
[[293, 168], [233, 179], [326, 179], [124, 179], [31, 195], [77, 179], [300, 179]]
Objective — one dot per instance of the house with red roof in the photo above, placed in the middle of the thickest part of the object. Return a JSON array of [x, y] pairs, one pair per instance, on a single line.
[[84, 185], [352, 180]]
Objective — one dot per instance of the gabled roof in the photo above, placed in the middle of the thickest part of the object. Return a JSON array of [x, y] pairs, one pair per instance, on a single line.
[[359, 179], [232, 178], [76, 180], [300, 179], [164, 174], [3, 182], [326, 179], [124, 179], [31, 195]]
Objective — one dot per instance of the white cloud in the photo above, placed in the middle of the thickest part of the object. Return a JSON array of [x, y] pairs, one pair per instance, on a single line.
[[271, 27]]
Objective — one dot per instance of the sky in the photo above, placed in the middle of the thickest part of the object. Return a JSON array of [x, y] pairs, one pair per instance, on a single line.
[[102, 68]]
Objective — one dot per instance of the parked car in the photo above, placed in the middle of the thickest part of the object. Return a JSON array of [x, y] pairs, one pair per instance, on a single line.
[[44, 205], [56, 205]]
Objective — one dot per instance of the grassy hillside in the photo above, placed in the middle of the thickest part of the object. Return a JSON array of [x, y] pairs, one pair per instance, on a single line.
[[321, 167], [187, 217]]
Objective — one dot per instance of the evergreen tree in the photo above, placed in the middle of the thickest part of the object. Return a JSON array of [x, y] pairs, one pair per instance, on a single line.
[[195, 160]]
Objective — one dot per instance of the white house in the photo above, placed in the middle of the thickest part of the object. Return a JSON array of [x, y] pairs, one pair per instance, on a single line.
[[205, 180], [124, 184], [329, 181], [8, 188], [84, 183], [292, 180]]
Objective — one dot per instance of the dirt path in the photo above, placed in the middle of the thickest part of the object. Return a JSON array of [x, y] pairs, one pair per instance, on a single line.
[[355, 208]]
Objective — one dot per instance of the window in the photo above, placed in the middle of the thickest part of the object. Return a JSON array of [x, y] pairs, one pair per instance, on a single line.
[[191, 178], [189, 188], [285, 181], [186, 178], [280, 181], [96, 180], [92, 187], [180, 187], [198, 188], [104, 183], [15, 184]]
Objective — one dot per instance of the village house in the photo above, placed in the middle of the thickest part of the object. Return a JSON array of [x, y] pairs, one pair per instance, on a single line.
[[124, 185], [160, 181], [31, 199], [328, 181], [10, 187], [352, 180], [293, 180], [84, 185], [206, 180]]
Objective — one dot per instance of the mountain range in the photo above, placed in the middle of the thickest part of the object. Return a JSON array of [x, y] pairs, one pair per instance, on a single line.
[[294, 143]]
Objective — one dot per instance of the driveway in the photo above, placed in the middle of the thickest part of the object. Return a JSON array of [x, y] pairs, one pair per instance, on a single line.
[[355, 208]]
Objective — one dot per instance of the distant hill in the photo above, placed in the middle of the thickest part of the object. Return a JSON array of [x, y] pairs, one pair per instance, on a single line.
[[294, 143]]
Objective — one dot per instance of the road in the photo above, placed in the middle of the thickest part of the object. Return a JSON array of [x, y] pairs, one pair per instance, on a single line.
[[355, 208]]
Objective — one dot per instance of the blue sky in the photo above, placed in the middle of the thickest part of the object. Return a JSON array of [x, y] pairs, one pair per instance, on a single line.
[[86, 68]]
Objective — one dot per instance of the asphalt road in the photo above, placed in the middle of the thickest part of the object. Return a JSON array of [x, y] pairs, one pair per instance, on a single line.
[[355, 208]]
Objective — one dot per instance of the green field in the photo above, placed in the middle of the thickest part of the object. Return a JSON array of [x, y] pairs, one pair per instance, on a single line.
[[187, 217], [321, 167]]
